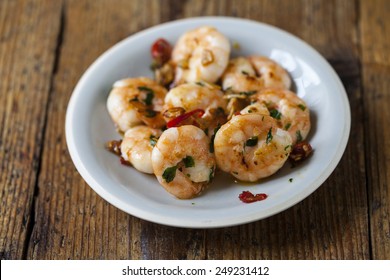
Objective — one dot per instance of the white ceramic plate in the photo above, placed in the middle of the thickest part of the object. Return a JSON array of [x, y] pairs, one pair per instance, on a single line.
[[88, 127]]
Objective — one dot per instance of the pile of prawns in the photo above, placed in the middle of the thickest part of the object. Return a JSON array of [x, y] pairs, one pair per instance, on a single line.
[[204, 111]]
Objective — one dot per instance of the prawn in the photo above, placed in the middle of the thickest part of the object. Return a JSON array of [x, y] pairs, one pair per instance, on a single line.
[[200, 95], [291, 112], [254, 73], [201, 54], [182, 162], [251, 147], [126, 93], [137, 146]]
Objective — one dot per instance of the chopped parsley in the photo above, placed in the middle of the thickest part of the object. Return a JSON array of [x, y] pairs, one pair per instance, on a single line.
[[169, 174], [211, 175], [149, 98], [287, 126], [302, 107], [200, 84], [288, 146], [150, 113], [149, 95], [153, 140], [252, 141], [248, 93], [245, 73], [269, 136], [299, 136], [275, 114], [189, 161], [211, 148]]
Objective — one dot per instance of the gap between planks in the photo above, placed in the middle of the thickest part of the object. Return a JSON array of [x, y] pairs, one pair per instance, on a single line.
[[57, 54]]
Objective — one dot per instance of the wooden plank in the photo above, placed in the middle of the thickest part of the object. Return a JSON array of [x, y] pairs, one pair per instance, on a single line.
[[73, 222], [375, 45], [28, 39]]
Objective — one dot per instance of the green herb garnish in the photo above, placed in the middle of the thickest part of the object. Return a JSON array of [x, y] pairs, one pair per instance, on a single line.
[[150, 113], [169, 174], [189, 161], [302, 107], [211, 175], [288, 146], [275, 114], [153, 140], [211, 147], [299, 136], [149, 95], [248, 93], [290, 180], [200, 84], [252, 141], [287, 126], [245, 73], [269, 136]]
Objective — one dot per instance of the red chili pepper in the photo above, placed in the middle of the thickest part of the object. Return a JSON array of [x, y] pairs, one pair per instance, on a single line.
[[176, 121], [248, 197], [161, 51], [124, 162]]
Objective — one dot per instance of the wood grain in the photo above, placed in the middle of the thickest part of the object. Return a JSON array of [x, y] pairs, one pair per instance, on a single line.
[[28, 39], [375, 42], [72, 221], [48, 211]]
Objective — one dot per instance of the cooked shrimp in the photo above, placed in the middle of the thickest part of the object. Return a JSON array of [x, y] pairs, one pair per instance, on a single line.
[[256, 107], [251, 147], [193, 96], [253, 74], [290, 111], [137, 146], [119, 102], [271, 72], [182, 162], [201, 55]]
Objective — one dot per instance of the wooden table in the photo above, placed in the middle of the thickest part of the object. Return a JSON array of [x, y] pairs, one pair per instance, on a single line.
[[47, 211]]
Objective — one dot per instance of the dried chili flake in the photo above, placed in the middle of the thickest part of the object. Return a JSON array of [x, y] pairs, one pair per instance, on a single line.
[[161, 51], [176, 121], [300, 152], [248, 197], [114, 146], [124, 162]]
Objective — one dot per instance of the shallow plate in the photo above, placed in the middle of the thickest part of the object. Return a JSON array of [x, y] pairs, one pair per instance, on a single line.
[[88, 127]]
